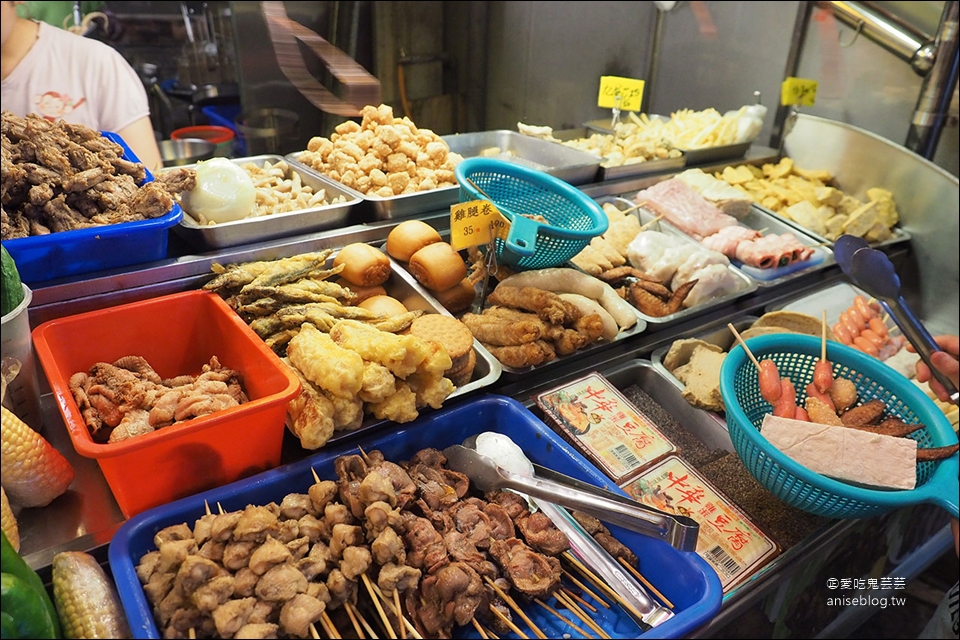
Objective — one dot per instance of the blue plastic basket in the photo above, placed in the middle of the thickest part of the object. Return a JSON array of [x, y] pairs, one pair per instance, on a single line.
[[572, 218], [795, 357], [79, 251], [682, 576]]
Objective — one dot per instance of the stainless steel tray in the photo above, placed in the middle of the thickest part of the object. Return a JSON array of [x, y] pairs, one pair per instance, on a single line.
[[693, 157], [277, 225], [899, 234], [566, 163], [759, 220], [833, 300], [647, 167], [747, 284], [404, 287], [721, 337], [406, 205]]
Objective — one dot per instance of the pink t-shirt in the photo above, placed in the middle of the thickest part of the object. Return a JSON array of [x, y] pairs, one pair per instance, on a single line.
[[82, 81]]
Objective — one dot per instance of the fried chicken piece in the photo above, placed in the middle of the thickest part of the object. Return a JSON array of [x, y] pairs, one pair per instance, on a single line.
[[529, 354], [347, 412], [401, 354], [327, 364], [401, 407], [499, 331], [311, 414], [430, 390], [378, 383], [548, 306]]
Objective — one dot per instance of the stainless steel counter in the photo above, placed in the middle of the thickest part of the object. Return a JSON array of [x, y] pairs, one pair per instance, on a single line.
[[87, 517]]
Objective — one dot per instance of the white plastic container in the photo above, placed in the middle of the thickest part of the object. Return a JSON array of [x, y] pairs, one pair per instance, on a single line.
[[23, 392]]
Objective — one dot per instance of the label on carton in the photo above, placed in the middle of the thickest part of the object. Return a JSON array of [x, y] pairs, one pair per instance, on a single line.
[[605, 426], [728, 541]]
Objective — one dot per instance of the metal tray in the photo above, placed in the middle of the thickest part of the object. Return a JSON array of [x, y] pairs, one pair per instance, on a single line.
[[277, 225], [719, 336], [566, 163], [406, 205], [899, 234], [758, 219], [747, 284], [693, 157], [834, 300], [647, 167], [404, 287]]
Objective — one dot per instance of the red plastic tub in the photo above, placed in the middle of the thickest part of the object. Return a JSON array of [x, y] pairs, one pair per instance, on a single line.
[[176, 334]]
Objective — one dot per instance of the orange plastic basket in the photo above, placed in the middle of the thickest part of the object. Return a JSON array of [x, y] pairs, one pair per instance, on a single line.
[[176, 334]]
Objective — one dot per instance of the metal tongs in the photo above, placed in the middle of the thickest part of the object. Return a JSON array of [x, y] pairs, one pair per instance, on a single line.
[[872, 271], [680, 532]]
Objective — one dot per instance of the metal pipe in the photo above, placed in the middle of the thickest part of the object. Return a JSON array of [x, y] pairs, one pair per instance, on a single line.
[[933, 106], [800, 29], [653, 63], [889, 31]]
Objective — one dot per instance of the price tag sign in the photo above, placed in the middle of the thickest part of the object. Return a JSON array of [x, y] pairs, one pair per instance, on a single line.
[[628, 90], [798, 91], [475, 223]]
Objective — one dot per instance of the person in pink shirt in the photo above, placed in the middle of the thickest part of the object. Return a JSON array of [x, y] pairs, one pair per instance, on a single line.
[[61, 75]]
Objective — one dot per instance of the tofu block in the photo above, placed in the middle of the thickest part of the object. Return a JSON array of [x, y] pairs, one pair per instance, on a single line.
[[846, 454]]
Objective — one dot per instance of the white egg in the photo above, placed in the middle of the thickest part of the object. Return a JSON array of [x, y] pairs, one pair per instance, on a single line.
[[224, 192]]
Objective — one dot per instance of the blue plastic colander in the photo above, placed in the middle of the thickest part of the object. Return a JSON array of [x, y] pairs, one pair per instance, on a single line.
[[795, 356], [572, 218]]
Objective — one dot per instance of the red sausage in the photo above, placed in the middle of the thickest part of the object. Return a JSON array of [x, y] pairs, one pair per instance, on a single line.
[[801, 414], [786, 404], [842, 333], [877, 326], [866, 346], [813, 392], [864, 307], [769, 380], [856, 317], [823, 375], [850, 324], [873, 337]]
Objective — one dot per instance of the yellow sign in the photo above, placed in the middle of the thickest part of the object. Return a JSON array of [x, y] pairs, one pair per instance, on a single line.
[[475, 223], [628, 90], [798, 91]]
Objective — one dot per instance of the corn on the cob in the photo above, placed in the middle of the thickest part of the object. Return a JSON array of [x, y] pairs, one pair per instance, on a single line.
[[8, 521], [34, 473], [86, 599]]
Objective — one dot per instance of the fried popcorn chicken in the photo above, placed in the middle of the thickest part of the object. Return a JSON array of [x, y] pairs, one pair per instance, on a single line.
[[325, 363]]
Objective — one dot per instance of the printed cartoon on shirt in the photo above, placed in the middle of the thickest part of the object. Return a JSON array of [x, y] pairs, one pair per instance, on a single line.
[[53, 106]]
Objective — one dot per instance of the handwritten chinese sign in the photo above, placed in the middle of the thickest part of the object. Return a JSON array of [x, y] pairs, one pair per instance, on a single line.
[[625, 94], [475, 223], [798, 91]]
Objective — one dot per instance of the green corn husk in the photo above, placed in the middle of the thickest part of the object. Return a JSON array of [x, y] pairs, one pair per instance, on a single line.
[[12, 290]]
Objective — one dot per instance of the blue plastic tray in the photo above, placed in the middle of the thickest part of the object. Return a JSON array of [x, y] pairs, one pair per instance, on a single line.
[[683, 577], [69, 253]]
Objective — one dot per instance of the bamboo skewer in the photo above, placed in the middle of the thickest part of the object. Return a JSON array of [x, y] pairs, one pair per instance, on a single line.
[[399, 613], [489, 632], [823, 340], [743, 344], [507, 621], [326, 628], [603, 586], [363, 454], [513, 605], [647, 225], [412, 629], [376, 603], [480, 629], [646, 583], [206, 507], [220, 508], [581, 601], [355, 623], [313, 631], [366, 625], [191, 633], [586, 590], [562, 617], [316, 478], [334, 632], [578, 612]]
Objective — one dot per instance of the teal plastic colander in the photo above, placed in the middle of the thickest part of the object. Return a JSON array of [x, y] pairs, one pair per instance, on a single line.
[[572, 218], [795, 356]]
